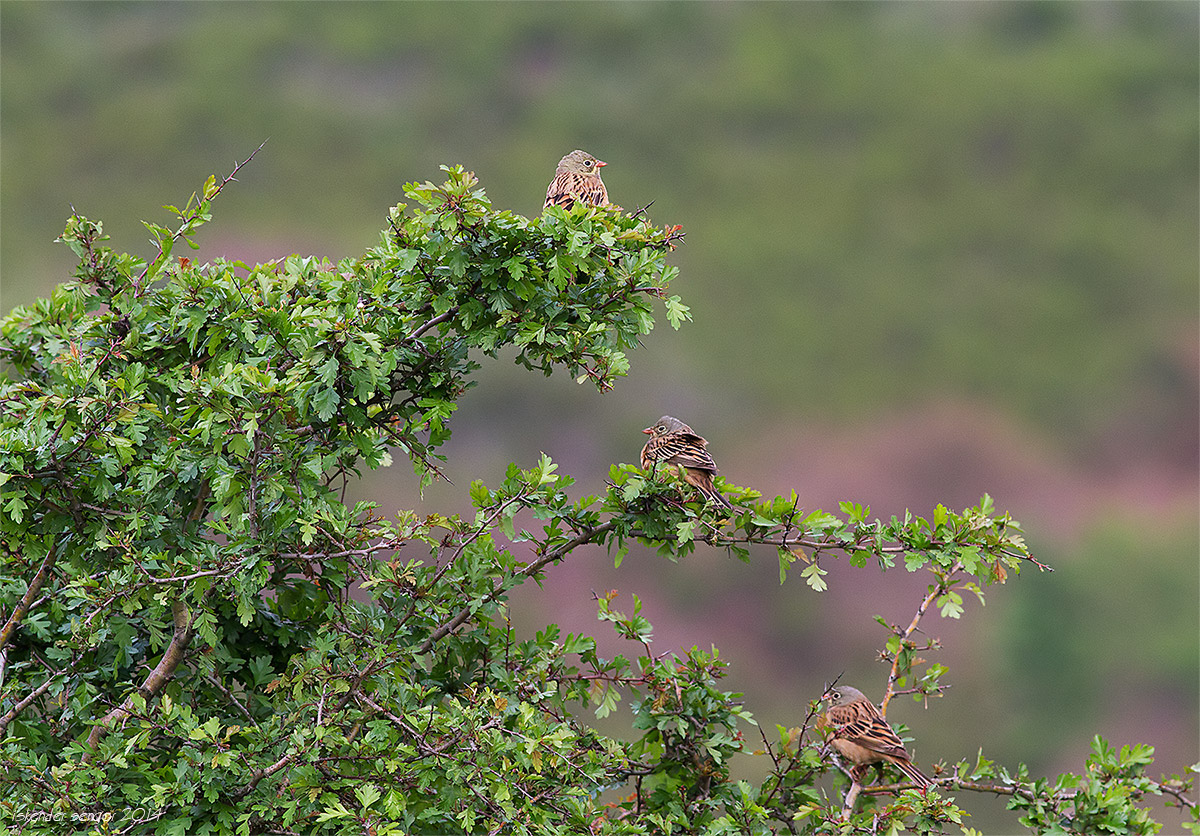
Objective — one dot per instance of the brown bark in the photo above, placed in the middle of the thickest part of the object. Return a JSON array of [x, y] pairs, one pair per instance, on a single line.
[[154, 682]]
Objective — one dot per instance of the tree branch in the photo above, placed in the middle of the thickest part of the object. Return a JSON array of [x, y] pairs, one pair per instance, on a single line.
[[12, 713], [185, 629], [437, 320], [998, 789], [264, 773], [35, 586]]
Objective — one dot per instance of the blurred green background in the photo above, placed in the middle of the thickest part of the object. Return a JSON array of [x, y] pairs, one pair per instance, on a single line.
[[932, 250]]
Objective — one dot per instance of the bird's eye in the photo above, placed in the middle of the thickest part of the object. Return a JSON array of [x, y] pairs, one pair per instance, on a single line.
[[589, 163], [662, 428]]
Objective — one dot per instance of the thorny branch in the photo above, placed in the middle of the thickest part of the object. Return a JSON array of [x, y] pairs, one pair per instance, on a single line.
[[188, 218]]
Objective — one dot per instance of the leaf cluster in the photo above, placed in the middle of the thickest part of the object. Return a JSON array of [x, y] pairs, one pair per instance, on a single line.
[[200, 636]]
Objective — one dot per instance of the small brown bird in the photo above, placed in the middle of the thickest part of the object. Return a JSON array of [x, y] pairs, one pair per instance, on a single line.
[[673, 442], [863, 737], [577, 178]]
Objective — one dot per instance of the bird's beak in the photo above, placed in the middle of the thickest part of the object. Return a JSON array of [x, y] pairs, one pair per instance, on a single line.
[[600, 164], [648, 431]]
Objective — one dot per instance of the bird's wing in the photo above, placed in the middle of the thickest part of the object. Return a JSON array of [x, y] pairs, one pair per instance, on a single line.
[[685, 449], [591, 190], [867, 730], [569, 186], [560, 192]]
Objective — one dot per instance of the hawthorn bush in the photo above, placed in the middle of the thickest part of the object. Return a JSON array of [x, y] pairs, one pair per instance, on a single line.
[[180, 652]]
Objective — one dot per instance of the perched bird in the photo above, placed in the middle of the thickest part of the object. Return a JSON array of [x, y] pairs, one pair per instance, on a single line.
[[673, 442], [577, 178], [862, 736]]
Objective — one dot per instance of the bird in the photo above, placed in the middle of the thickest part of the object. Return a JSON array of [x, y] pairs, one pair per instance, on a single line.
[[577, 178], [673, 442], [863, 737]]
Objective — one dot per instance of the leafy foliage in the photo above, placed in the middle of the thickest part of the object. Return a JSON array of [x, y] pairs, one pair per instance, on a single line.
[[200, 636]]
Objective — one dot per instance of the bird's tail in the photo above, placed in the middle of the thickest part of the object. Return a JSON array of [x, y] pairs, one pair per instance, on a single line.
[[714, 496], [702, 480], [912, 772]]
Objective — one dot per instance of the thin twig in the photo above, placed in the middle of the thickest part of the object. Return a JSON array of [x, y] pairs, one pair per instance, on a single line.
[[587, 536], [265, 773], [186, 219], [893, 674], [216, 683], [180, 578], [642, 210]]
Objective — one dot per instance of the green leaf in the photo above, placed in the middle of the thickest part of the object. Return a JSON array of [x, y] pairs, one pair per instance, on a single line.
[[622, 550], [334, 811], [684, 531], [812, 574], [940, 514], [950, 604], [15, 507], [506, 523], [367, 794], [786, 558], [480, 495], [677, 312]]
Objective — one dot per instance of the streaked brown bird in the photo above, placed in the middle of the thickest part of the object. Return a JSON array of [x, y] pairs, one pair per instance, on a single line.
[[863, 737], [577, 178], [673, 442]]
